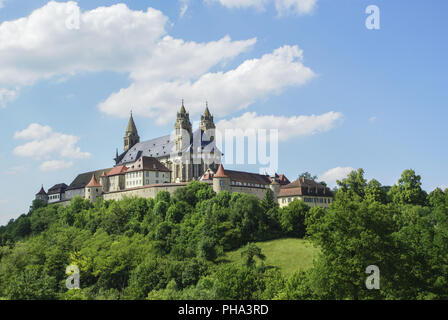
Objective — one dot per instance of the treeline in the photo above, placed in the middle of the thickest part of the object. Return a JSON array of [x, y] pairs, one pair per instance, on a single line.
[[170, 247]]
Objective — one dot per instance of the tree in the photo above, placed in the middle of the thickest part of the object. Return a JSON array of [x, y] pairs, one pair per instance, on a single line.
[[307, 175], [352, 187], [32, 284], [374, 192], [250, 252], [408, 190], [292, 218], [268, 202]]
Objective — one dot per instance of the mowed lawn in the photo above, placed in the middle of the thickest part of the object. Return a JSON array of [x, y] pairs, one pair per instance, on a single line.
[[289, 255]]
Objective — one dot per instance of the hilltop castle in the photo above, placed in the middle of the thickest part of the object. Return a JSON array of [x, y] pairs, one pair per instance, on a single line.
[[170, 162]]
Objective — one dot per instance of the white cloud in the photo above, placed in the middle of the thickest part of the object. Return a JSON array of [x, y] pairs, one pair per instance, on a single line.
[[45, 143], [228, 91], [1, 4], [34, 131], [334, 174], [283, 6], [162, 69], [7, 95], [259, 4], [183, 8], [114, 38], [372, 119], [288, 127], [295, 6], [54, 165]]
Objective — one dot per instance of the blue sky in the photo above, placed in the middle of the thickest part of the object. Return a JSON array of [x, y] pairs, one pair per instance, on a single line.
[[378, 96]]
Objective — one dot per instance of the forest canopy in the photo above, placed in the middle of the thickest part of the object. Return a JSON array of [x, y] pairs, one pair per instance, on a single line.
[[171, 247]]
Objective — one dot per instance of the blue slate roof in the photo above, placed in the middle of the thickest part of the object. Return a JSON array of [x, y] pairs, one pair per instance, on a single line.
[[164, 146]]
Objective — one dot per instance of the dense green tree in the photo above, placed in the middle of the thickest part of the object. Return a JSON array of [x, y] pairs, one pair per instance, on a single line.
[[409, 189], [249, 253], [292, 218]]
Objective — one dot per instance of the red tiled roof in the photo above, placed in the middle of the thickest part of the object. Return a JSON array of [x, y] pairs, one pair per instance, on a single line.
[[207, 176], [117, 171], [220, 173], [305, 187], [93, 183]]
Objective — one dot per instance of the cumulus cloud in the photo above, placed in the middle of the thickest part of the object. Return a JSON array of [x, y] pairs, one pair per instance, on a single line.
[[54, 165], [288, 127], [48, 44], [45, 143], [162, 69], [283, 6], [334, 174], [230, 91]]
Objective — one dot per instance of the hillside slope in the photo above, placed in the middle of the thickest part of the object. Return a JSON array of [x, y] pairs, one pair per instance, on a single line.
[[288, 255]]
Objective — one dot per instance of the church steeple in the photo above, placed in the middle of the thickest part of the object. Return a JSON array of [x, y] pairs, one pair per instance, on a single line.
[[131, 137], [182, 124], [207, 120]]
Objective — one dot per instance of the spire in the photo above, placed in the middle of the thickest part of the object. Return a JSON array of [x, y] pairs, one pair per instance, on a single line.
[[220, 173], [42, 191], [93, 183], [182, 108], [131, 125], [207, 112]]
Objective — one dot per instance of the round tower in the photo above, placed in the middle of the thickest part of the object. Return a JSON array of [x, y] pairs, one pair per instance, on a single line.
[[93, 189], [221, 181], [275, 188]]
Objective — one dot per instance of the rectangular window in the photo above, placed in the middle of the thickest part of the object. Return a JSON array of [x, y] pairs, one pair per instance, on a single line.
[[157, 174]]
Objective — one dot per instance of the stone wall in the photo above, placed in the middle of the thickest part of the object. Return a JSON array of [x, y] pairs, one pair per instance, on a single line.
[[258, 192], [149, 191]]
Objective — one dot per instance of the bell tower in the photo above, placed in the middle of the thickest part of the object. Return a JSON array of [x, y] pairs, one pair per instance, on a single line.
[[207, 120], [182, 126], [131, 137], [183, 139]]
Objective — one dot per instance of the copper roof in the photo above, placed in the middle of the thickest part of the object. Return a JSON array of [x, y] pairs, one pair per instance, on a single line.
[[220, 173], [93, 183]]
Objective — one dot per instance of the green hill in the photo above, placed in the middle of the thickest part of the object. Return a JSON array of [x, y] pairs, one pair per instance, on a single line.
[[289, 255]]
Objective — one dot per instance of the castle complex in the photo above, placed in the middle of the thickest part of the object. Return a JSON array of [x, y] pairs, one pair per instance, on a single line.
[[170, 162]]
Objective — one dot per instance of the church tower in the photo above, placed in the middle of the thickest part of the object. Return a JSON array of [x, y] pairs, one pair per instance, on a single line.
[[182, 125], [181, 170], [207, 120], [131, 137]]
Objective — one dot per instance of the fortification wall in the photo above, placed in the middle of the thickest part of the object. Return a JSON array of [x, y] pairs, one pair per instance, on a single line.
[[258, 192], [149, 191]]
